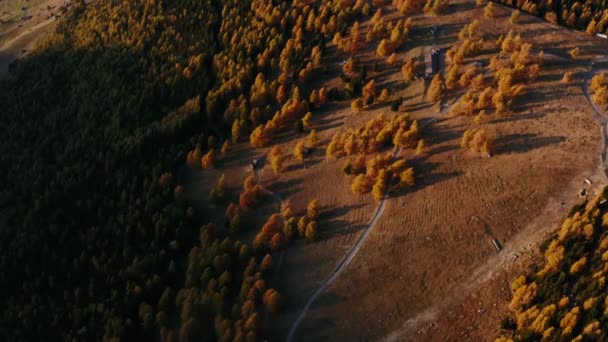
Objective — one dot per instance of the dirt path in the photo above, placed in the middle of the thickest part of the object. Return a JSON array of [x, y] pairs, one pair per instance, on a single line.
[[32, 30], [599, 113], [12, 49]]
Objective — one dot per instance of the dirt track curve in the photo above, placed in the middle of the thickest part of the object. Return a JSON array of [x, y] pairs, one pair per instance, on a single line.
[[599, 113]]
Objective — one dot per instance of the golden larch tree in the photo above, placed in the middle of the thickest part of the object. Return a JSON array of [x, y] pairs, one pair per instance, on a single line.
[[436, 89]]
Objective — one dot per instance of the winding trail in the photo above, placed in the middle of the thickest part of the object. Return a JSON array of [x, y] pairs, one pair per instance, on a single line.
[[599, 113], [357, 246]]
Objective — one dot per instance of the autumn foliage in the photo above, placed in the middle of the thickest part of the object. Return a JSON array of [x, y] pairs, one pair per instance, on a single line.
[[576, 255]]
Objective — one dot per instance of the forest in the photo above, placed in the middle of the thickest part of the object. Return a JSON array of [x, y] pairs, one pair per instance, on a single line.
[[564, 297], [98, 123], [585, 15]]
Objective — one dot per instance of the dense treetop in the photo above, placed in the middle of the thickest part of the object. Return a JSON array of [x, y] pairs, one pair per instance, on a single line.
[[96, 238]]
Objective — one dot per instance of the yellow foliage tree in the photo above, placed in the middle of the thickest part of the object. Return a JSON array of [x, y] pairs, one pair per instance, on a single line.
[[485, 98], [598, 81], [287, 209], [361, 185], [384, 96], [451, 79], [369, 90], [208, 160], [273, 300], [578, 266], [407, 70], [357, 105], [591, 28], [488, 11], [574, 53], [311, 231], [406, 178], [436, 89], [307, 119], [392, 59], [313, 209], [312, 140], [379, 188], [299, 150], [567, 79], [384, 48], [514, 18], [420, 147], [276, 159]]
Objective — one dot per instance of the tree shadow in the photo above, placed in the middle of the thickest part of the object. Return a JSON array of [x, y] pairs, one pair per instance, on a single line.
[[286, 188], [327, 299], [336, 212], [435, 135], [425, 177], [522, 143], [242, 157], [321, 128], [513, 118], [417, 106], [339, 228], [315, 330]]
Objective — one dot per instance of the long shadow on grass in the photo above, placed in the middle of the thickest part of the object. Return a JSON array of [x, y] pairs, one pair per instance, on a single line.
[[425, 176], [328, 215], [339, 228], [522, 143], [240, 158], [513, 118], [286, 188]]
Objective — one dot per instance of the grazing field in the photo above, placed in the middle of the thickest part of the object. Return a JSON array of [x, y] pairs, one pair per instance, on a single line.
[[432, 250]]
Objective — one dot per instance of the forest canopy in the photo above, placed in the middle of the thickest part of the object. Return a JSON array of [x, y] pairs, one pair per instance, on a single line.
[[96, 238]]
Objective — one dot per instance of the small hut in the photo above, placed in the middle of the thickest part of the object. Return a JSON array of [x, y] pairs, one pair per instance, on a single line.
[[431, 61]]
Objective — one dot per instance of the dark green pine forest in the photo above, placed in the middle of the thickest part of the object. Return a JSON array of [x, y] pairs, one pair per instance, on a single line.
[[96, 239]]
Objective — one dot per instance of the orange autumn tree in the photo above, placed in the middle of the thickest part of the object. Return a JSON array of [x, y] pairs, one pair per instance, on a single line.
[[313, 209], [436, 89], [208, 160]]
